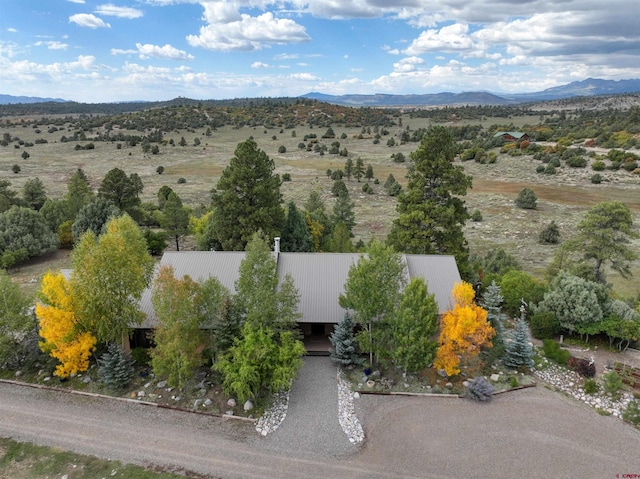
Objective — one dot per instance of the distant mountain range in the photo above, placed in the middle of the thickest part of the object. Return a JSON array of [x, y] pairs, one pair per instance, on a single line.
[[588, 87], [7, 99]]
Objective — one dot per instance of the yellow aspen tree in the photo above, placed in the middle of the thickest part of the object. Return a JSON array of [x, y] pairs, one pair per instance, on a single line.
[[58, 327], [464, 331]]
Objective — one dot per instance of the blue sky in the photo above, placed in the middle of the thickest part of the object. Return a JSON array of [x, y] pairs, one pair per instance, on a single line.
[[101, 51]]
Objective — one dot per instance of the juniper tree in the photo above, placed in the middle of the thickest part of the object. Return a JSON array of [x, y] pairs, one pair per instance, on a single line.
[[344, 348]]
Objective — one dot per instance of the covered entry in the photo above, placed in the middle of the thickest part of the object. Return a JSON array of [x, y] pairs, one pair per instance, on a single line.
[[316, 337]]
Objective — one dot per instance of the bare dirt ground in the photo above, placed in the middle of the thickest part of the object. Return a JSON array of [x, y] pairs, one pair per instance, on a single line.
[[529, 433]]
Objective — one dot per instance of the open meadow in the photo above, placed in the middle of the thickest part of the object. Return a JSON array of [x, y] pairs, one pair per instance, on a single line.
[[563, 197]]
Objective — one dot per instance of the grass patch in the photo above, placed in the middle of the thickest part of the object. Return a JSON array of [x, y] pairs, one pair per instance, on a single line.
[[20, 460]]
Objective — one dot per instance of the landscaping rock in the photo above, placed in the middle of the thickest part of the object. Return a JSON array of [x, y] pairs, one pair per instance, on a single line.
[[248, 405], [495, 377], [229, 412], [162, 384], [86, 380], [231, 402], [208, 402], [18, 374]]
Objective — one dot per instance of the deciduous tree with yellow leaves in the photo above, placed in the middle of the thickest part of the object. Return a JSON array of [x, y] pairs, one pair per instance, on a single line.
[[464, 330], [63, 338]]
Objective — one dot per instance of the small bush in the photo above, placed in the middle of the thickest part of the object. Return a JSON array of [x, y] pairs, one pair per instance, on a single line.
[[513, 382], [476, 216], [590, 386], [527, 199], [181, 181], [596, 179], [577, 162], [160, 170], [540, 169], [553, 351], [598, 165], [141, 356], [632, 413], [544, 325], [550, 235], [286, 177], [612, 383], [479, 389], [550, 169], [16, 169], [282, 149]]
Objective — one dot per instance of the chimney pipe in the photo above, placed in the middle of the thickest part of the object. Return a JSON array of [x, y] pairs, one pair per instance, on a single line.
[[276, 245]]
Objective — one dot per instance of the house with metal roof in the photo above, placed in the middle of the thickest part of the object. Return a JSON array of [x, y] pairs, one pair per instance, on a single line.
[[511, 135], [319, 278]]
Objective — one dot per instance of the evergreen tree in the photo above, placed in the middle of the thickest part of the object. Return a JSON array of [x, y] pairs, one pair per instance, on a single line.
[[79, 192], [492, 302], [93, 217], [246, 199], [344, 348], [116, 367], [318, 223], [358, 170], [33, 193], [413, 326], [431, 213], [343, 212], [348, 168], [369, 172], [175, 218], [519, 351], [295, 233], [341, 239], [122, 190]]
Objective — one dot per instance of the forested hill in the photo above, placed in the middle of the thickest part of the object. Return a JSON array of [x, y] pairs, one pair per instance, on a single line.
[[186, 113]]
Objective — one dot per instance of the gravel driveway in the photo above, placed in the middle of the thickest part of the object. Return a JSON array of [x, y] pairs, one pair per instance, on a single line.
[[531, 433]]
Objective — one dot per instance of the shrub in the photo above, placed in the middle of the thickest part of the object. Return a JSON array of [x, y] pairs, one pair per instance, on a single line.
[[286, 177], [544, 325], [181, 181], [590, 386], [577, 162], [16, 169], [116, 367], [160, 170], [476, 216], [540, 169], [612, 383], [598, 165], [549, 235], [596, 179], [141, 356], [527, 199], [553, 351], [632, 413], [479, 389], [282, 149], [550, 169], [583, 367], [513, 382]]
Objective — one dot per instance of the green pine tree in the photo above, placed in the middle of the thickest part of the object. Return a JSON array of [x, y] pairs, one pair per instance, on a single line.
[[295, 233], [246, 199], [116, 367]]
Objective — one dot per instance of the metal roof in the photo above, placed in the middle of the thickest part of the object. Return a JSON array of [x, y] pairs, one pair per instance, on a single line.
[[320, 279], [439, 272], [199, 266]]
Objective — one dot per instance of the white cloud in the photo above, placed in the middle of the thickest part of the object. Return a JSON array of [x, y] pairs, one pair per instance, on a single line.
[[408, 64], [88, 20], [448, 39], [304, 76], [122, 12], [286, 56], [119, 51], [76, 1], [12, 30], [167, 52], [259, 65], [230, 32], [53, 45]]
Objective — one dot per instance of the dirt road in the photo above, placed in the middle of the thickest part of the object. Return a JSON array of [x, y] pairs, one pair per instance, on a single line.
[[528, 433]]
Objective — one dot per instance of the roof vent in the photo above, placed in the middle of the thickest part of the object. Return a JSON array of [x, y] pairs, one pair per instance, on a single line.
[[276, 245]]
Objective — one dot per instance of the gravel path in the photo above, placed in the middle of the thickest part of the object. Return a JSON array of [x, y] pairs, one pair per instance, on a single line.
[[311, 427]]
